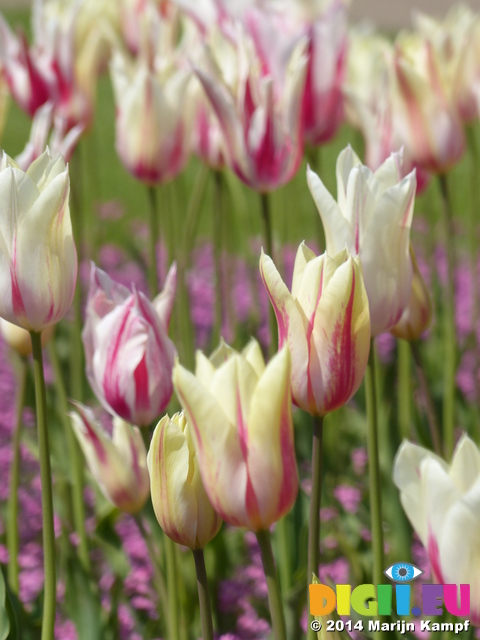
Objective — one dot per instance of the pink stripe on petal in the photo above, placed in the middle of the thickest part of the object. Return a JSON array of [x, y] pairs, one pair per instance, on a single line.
[[342, 359], [434, 557]]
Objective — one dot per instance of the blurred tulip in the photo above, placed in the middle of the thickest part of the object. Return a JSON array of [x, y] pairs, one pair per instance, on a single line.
[[259, 113], [27, 71], [59, 143], [129, 356], [323, 98], [19, 340], [368, 92], [443, 504], [151, 131], [326, 323], [456, 41], [417, 316], [425, 117], [178, 495], [240, 414], [119, 463], [38, 260], [372, 218]]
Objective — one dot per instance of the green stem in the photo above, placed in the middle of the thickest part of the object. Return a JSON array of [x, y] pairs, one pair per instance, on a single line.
[[49, 596], [217, 245], [268, 240], [193, 212], [315, 503], [158, 578], [12, 522], [473, 233], [76, 461], [374, 468], [404, 395], [273, 586], [427, 397], [152, 241], [449, 337], [76, 349], [172, 588], [203, 595]]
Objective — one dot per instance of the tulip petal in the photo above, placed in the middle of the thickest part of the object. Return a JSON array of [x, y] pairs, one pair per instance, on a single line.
[[223, 467], [338, 232], [163, 303], [271, 451], [340, 340], [303, 256], [465, 467]]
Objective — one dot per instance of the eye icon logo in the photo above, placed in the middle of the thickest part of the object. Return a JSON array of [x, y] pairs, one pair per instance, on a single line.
[[402, 572]]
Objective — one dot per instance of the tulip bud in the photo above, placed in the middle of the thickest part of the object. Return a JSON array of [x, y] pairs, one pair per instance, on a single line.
[[240, 412], [417, 316], [325, 322], [118, 464], [151, 132], [372, 218], [442, 503], [19, 340], [261, 114], [178, 495], [129, 356], [425, 115], [38, 260]]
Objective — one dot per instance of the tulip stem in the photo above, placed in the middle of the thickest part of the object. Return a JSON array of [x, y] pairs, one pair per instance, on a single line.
[[427, 397], [404, 389], [49, 596], [473, 232], [203, 595], [217, 245], [172, 588], [268, 240], [158, 578], [12, 523], [76, 461], [273, 586], [374, 468], [315, 503], [152, 241], [449, 353]]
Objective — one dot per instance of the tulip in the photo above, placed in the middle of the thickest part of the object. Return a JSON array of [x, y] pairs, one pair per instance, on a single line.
[[456, 42], [260, 114], [325, 322], [37, 252], [60, 142], [426, 118], [240, 413], [19, 339], [151, 131], [178, 496], [372, 218], [323, 99], [129, 356], [119, 463], [442, 503], [368, 93], [27, 72], [417, 315]]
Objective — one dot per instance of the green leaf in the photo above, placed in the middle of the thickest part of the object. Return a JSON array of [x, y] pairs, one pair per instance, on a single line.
[[4, 617], [83, 603]]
